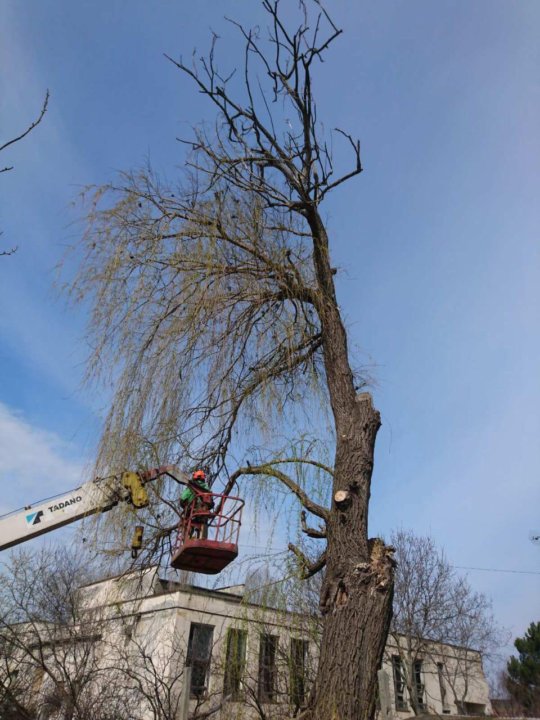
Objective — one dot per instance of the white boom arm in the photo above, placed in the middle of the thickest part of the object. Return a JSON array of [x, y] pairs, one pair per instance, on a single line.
[[93, 497]]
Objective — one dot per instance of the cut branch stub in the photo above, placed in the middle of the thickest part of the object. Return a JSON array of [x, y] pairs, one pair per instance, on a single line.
[[365, 397], [342, 498]]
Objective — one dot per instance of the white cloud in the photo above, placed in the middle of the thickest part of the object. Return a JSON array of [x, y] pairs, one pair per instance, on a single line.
[[34, 463]]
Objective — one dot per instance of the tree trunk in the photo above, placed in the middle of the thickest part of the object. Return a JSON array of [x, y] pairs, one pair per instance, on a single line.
[[357, 592], [351, 652], [356, 597]]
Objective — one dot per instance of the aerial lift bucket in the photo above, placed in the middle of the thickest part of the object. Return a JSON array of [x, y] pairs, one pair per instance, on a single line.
[[208, 539]]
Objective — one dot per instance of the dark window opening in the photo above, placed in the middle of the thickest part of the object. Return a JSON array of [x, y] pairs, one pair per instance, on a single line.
[[399, 683], [267, 669], [234, 663], [299, 651], [199, 656], [419, 685]]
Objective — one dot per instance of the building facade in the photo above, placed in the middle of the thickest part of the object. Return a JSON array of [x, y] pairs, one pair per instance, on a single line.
[[162, 650]]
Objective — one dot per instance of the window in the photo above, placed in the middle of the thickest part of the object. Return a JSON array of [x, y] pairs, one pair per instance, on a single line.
[[299, 650], [267, 669], [419, 685], [468, 708], [399, 683], [199, 656], [442, 688], [234, 663]]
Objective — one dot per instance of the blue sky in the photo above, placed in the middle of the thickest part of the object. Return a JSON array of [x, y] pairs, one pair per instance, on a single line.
[[437, 241]]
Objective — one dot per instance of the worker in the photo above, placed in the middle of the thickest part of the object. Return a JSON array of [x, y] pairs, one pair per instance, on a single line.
[[196, 500]]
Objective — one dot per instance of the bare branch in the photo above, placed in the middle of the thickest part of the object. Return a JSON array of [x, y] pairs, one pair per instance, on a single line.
[[311, 532], [29, 128], [14, 140]]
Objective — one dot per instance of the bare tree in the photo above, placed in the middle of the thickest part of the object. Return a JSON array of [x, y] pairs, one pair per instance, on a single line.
[[15, 704], [17, 139], [432, 604], [215, 310], [51, 654], [149, 666]]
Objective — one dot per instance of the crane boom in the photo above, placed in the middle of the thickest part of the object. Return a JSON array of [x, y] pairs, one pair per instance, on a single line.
[[95, 496]]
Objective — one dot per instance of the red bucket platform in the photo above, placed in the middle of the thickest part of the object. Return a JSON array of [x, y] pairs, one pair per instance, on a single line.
[[208, 541]]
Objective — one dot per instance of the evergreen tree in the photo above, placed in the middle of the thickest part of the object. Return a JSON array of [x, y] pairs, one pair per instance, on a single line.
[[524, 671]]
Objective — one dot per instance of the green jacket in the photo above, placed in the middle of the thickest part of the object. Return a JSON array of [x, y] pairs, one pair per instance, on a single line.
[[188, 493]]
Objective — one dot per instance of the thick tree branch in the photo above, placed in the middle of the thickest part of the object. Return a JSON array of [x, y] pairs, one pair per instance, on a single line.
[[270, 471], [303, 461]]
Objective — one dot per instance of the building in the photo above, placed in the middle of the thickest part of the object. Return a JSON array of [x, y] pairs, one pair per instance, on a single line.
[[149, 639], [443, 679]]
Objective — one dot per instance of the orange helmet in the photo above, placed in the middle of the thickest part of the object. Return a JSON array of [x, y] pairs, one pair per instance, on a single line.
[[199, 475]]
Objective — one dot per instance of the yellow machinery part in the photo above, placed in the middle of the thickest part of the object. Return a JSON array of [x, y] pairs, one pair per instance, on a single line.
[[136, 542], [133, 484]]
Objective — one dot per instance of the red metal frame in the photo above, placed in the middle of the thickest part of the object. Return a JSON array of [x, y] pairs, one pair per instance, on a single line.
[[221, 526]]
